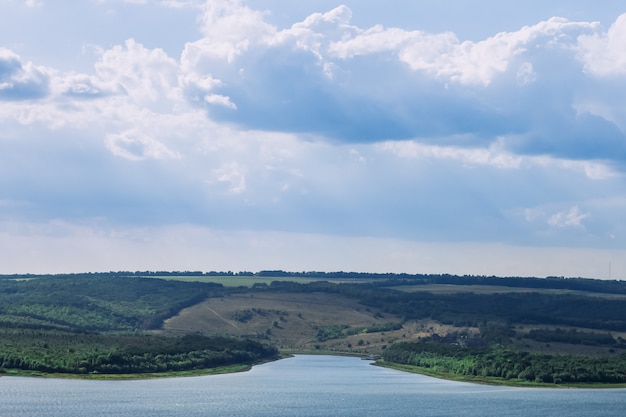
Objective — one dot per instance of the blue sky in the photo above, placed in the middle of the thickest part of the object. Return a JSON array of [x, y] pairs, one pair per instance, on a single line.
[[417, 136]]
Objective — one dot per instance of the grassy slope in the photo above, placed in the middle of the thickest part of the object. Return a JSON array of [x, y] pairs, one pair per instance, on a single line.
[[290, 321]]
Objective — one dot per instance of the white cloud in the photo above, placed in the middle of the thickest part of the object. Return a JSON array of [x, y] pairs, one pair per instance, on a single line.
[[467, 62], [83, 86], [230, 28], [603, 53], [571, 218], [317, 32], [33, 3], [232, 175], [133, 89], [21, 80], [220, 101], [178, 4], [494, 156], [532, 215], [391, 83], [148, 77], [526, 74], [593, 170], [135, 146]]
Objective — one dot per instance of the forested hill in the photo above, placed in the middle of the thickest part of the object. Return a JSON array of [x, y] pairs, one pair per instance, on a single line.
[[386, 279], [95, 303], [91, 324], [472, 309]]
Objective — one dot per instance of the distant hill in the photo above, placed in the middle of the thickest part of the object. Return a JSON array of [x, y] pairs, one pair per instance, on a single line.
[[86, 323]]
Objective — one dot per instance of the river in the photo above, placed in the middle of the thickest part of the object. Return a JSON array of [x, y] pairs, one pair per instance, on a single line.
[[301, 386]]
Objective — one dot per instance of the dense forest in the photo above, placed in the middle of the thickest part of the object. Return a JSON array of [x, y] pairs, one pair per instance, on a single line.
[[507, 364], [92, 303], [106, 353], [91, 324]]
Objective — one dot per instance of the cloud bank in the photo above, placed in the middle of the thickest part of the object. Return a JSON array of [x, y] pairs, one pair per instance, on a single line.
[[323, 128]]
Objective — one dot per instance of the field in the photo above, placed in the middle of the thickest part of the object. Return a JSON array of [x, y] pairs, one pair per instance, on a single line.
[[289, 320], [248, 281], [498, 289]]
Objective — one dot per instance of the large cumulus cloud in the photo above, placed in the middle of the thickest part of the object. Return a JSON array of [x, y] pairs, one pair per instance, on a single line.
[[537, 86]]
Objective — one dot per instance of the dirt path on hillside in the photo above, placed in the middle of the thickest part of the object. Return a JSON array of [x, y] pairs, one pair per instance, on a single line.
[[222, 318]]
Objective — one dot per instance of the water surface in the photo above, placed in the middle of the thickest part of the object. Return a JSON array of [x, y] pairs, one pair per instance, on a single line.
[[298, 387]]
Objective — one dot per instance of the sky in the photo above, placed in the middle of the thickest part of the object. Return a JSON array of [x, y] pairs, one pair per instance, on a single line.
[[421, 136]]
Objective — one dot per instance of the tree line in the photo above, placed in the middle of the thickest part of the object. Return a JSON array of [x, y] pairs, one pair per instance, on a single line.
[[388, 279], [507, 364], [82, 353]]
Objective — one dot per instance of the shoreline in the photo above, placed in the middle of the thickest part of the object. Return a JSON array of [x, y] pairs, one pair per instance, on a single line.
[[493, 380], [290, 353], [230, 369], [129, 377]]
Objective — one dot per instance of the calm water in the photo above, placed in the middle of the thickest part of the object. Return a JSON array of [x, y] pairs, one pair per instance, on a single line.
[[296, 387]]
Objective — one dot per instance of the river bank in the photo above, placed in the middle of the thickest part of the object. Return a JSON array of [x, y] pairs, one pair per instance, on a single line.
[[489, 380], [126, 377]]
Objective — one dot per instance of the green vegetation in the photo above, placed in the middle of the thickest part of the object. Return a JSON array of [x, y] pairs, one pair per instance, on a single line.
[[575, 337], [492, 353], [91, 303], [469, 309], [506, 364], [232, 280], [497, 289], [340, 331], [517, 330], [93, 353], [98, 325]]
